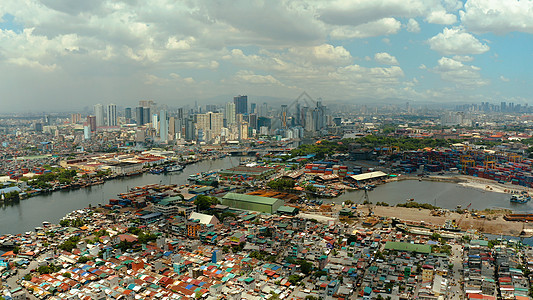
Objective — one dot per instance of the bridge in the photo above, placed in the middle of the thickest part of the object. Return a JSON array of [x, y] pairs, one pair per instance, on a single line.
[[255, 151]]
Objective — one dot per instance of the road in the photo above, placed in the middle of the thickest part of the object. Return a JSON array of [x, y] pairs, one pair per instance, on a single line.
[[455, 290], [12, 281]]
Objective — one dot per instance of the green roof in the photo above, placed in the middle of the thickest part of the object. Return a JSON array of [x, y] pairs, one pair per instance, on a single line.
[[287, 209], [401, 246], [250, 198]]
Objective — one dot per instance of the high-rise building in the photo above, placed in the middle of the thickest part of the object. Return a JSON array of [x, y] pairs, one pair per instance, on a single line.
[[155, 122], [139, 115], [252, 120], [253, 108], [111, 115], [75, 118], [241, 104], [91, 120], [99, 113], [172, 127], [146, 115], [189, 129], [210, 123], [163, 126], [180, 113], [127, 114], [86, 131], [229, 113], [264, 110], [284, 116]]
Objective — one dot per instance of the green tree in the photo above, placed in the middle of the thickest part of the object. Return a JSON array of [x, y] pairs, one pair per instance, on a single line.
[[204, 202]]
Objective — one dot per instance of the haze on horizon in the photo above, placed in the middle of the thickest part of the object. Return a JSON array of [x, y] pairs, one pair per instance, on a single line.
[[65, 55]]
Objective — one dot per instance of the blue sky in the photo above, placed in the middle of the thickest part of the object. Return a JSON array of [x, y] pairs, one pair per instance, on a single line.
[[65, 55]]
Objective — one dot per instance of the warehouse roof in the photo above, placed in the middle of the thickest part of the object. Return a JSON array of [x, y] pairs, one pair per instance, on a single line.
[[370, 175], [250, 198], [402, 246]]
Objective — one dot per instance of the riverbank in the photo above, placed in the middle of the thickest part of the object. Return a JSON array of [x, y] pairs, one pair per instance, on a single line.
[[469, 181]]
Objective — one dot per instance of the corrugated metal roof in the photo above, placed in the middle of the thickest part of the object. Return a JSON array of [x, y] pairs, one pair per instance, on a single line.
[[250, 198], [370, 175]]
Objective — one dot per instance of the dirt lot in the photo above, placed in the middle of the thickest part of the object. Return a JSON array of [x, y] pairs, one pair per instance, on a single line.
[[493, 223]]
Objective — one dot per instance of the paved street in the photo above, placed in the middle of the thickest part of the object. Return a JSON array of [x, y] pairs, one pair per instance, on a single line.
[[455, 284]]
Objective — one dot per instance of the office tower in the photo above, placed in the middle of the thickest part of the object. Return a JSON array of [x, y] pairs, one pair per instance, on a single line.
[[75, 118], [92, 122], [241, 104], [86, 131], [284, 116], [99, 114], [146, 115], [139, 115], [252, 120], [298, 116], [229, 113], [264, 110], [189, 128], [503, 107], [127, 114], [111, 115], [39, 127], [163, 126], [180, 113], [155, 122], [253, 108], [264, 122], [309, 122]]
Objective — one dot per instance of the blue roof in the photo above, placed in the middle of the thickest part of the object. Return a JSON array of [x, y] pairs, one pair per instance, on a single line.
[[10, 189], [152, 215]]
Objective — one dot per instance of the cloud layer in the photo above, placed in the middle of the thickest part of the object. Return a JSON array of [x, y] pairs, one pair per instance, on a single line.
[[86, 52]]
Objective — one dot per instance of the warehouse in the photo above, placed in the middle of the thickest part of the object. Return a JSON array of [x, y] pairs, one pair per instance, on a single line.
[[249, 202], [368, 176]]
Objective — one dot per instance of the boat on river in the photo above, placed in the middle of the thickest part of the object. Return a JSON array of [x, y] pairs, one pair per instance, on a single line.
[[174, 168], [521, 199]]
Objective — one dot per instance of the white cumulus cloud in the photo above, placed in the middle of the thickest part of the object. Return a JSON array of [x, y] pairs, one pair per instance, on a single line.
[[385, 58], [457, 41], [413, 26], [441, 17], [482, 16]]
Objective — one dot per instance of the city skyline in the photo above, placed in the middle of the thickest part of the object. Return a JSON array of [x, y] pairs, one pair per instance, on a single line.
[[352, 51]]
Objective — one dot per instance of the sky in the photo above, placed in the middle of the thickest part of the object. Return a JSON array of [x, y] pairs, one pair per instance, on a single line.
[[62, 55]]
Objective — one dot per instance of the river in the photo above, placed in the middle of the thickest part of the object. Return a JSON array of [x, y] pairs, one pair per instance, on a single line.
[[441, 194], [27, 214]]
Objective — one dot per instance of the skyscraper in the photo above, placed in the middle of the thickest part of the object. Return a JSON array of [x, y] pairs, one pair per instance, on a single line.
[[146, 115], [91, 120], [284, 116], [75, 118], [210, 123], [99, 113], [241, 104], [155, 122], [127, 114], [253, 108], [111, 115], [139, 115], [163, 125], [229, 113]]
